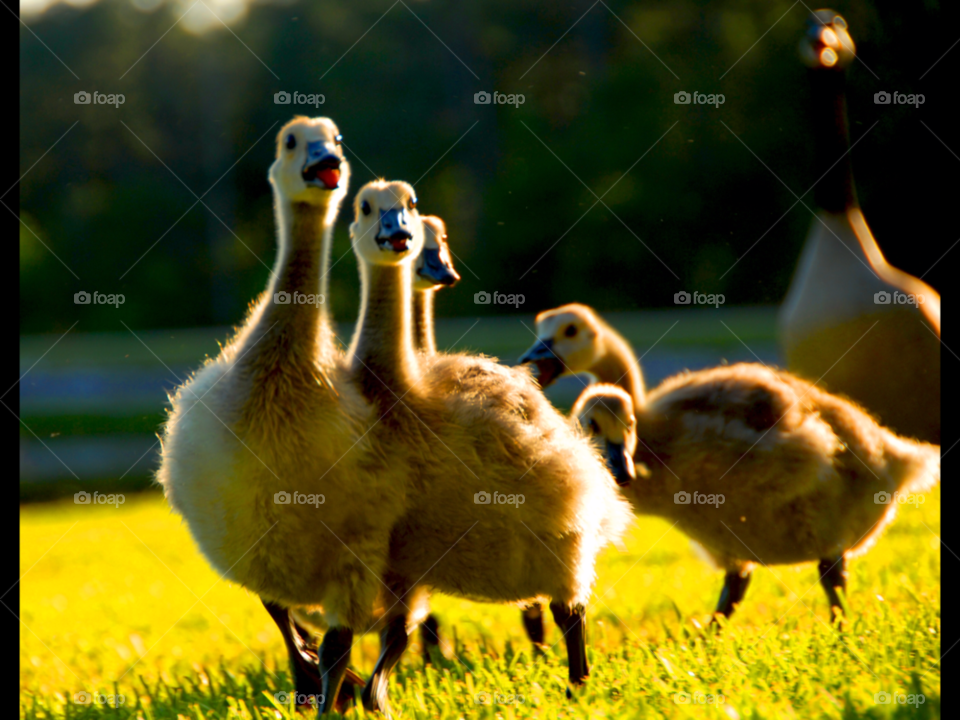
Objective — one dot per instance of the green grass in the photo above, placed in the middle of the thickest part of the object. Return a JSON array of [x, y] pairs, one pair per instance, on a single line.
[[119, 601]]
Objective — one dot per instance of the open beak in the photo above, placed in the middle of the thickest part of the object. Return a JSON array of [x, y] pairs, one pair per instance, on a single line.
[[548, 363], [620, 463], [436, 270], [394, 233], [321, 168]]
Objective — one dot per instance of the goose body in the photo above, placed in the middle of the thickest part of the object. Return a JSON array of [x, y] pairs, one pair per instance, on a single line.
[[850, 319], [798, 469], [472, 432]]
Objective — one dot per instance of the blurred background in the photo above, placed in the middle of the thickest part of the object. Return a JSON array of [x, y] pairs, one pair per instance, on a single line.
[[108, 201]]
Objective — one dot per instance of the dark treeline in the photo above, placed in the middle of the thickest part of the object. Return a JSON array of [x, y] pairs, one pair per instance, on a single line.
[[599, 100]]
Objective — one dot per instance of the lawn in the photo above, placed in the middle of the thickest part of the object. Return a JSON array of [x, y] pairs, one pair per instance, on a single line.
[[117, 601]]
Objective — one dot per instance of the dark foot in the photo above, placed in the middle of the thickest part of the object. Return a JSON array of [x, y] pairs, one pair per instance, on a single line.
[[429, 637], [734, 587], [393, 641], [573, 625], [333, 657], [833, 575], [533, 623]]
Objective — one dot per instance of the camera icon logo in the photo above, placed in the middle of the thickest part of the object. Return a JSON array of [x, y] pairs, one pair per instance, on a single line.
[[882, 498], [281, 98], [281, 298], [283, 697], [681, 98], [681, 498], [82, 698], [81, 498], [81, 298], [881, 298], [882, 698], [81, 98], [881, 98], [681, 298], [281, 498], [681, 698], [481, 298], [481, 98], [482, 698], [482, 498]]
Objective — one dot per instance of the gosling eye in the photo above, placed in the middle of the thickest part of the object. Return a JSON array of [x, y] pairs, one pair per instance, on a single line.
[[594, 427], [413, 203], [291, 141], [338, 139], [365, 207], [570, 330]]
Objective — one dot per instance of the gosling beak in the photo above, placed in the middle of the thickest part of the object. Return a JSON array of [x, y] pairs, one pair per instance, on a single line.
[[436, 270], [322, 167], [548, 363], [620, 463], [394, 233]]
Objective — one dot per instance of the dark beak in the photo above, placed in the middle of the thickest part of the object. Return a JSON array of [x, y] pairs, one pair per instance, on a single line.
[[548, 363], [621, 464], [394, 233], [321, 168], [436, 270]]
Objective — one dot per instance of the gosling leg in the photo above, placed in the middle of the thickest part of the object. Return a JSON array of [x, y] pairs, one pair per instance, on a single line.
[[393, 641], [833, 575], [734, 587], [333, 657], [303, 661], [533, 623], [572, 621], [429, 636]]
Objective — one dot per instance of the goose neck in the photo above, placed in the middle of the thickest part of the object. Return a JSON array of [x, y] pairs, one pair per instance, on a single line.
[[423, 333], [835, 190], [618, 365]]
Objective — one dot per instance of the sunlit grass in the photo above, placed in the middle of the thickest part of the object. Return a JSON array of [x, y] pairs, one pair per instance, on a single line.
[[119, 601]]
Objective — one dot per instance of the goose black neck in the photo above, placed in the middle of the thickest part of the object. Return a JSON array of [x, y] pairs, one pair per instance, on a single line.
[[835, 191]]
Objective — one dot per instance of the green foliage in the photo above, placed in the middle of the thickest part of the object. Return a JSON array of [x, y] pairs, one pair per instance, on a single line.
[[118, 601]]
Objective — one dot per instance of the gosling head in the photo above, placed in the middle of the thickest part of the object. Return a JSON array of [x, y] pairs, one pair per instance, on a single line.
[[826, 44], [310, 167], [606, 412], [387, 229], [434, 267], [567, 342]]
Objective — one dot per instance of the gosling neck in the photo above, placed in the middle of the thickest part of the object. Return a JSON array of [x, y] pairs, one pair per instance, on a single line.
[[424, 338], [835, 191], [381, 352], [618, 365]]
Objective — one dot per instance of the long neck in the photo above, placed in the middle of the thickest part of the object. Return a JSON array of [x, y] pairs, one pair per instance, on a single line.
[[381, 352], [835, 191], [619, 366], [424, 338]]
